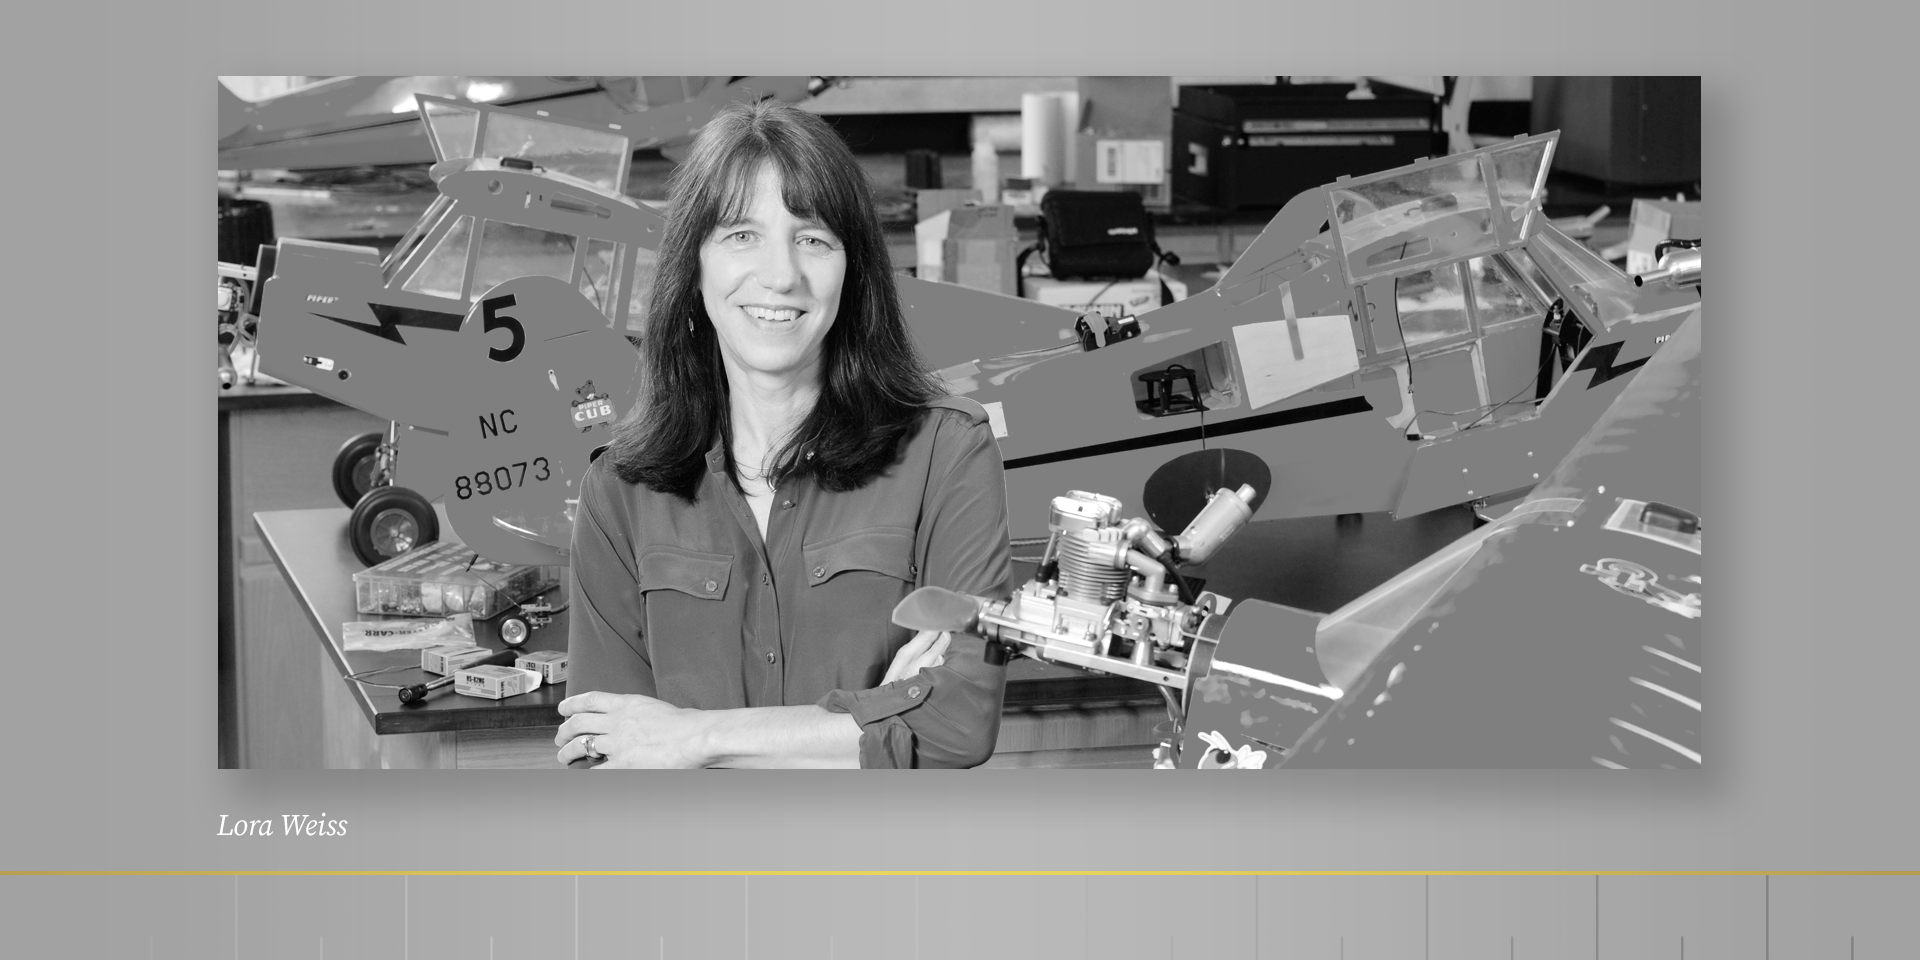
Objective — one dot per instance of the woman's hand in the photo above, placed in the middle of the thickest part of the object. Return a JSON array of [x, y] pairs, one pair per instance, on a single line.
[[928, 648], [631, 731]]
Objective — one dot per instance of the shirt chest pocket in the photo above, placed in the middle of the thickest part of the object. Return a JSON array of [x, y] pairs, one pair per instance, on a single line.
[[702, 576], [864, 557]]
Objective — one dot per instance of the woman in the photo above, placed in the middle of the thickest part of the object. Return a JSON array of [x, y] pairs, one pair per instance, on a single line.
[[790, 473]]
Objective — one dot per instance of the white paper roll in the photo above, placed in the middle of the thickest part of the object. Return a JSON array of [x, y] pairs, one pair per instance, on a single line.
[[1043, 137]]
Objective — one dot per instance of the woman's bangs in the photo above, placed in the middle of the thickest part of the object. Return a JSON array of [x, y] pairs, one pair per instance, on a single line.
[[733, 196]]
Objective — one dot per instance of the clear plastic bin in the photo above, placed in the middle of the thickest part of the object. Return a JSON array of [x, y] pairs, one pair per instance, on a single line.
[[444, 578]]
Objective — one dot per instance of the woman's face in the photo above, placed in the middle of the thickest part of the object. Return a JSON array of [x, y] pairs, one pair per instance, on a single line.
[[771, 282]]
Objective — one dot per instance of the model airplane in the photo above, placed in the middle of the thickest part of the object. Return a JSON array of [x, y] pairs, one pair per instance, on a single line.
[[1395, 343], [1566, 633], [493, 330]]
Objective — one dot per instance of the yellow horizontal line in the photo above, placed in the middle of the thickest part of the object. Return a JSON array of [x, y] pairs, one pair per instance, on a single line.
[[959, 873]]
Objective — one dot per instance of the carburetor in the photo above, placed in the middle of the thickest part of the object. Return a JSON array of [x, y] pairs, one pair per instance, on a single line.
[[1108, 596]]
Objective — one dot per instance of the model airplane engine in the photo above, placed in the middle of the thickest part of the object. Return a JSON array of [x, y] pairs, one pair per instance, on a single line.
[[1109, 596]]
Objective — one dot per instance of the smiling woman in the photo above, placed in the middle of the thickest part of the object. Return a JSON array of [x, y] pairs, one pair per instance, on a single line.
[[790, 474]]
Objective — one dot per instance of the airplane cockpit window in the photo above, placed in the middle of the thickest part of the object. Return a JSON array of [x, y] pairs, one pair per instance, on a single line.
[[598, 280], [440, 274], [1497, 297], [1432, 305], [508, 250], [1531, 273], [1437, 212], [642, 287], [416, 233], [598, 157], [451, 128], [1520, 176]]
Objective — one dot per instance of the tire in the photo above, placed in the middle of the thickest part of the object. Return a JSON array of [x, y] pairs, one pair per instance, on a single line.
[[390, 521], [354, 467]]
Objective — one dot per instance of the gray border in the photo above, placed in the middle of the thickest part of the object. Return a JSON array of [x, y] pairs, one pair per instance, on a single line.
[[111, 759]]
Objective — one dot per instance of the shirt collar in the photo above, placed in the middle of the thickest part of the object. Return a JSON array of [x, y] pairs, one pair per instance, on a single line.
[[717, 457]]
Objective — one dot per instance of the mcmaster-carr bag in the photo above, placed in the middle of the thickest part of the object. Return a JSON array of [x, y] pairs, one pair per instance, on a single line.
[[1090, 234]]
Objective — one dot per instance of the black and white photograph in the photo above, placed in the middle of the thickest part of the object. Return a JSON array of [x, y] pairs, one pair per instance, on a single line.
[[920, 422]]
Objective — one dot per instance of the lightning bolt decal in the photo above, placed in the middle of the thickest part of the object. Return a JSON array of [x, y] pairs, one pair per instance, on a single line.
[[1600, 361], [392, 318]]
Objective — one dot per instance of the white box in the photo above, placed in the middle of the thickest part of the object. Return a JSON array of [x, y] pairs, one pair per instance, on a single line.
[[551, 665], [1108, 299], [447, 659], [494, 682]]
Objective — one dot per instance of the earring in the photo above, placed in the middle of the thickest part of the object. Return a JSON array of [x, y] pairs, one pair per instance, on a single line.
[[689, 324]]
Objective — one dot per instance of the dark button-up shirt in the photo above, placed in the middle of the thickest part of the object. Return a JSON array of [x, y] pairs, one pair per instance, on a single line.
[[688, 603]]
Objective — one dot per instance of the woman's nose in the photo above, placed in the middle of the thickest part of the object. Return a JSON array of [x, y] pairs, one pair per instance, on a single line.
[[779, 268]]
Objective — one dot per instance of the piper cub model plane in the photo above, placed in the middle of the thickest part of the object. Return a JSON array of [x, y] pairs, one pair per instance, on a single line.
[[1396, 342], [1564, 634], [493, 330]]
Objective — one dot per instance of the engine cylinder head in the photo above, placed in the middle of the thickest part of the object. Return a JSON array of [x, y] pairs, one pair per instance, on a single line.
[[1093, 566], [1080, 510]]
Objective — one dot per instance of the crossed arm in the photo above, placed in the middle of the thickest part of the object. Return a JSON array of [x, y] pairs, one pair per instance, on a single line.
[[635, 731]]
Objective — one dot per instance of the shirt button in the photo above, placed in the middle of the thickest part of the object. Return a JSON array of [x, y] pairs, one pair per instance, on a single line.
[[770, 657], [819, 571], [788, 505], [913, 693], [765, 579], [712, 586]]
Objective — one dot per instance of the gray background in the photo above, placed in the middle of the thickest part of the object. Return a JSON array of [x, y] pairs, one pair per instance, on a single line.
[[110, 737], [964, 917]]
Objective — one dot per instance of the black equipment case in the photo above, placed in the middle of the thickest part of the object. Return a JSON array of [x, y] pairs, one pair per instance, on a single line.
[[1096, 234], [1236, 147]]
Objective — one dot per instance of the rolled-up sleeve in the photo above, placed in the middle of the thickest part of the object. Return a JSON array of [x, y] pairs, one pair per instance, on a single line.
[[947, 716], [606, 645]]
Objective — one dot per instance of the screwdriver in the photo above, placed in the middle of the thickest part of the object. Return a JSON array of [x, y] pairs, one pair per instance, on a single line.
[[419, 691]]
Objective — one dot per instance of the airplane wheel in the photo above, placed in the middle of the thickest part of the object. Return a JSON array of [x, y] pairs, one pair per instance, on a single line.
[[356, 467], [390, 521]]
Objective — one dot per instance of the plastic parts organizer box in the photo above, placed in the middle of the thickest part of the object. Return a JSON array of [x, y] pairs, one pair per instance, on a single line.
[[444, 578]]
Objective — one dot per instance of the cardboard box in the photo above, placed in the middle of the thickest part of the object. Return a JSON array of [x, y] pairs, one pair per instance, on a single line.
[[447, 659], [1121, 298], [551, 665], [969, 245], [494, 682], [1124, 138]]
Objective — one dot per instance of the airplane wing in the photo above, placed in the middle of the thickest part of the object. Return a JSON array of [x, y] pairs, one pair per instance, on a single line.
[[369, 121], [1566, 634]]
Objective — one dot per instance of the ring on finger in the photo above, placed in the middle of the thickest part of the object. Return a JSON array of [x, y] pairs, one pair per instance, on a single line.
[[586, 743]]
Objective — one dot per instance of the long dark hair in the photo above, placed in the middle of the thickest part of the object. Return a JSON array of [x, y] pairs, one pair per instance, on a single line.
[[874, 386]]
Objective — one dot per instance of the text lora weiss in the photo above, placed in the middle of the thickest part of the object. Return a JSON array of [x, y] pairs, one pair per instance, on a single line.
[[289, 825]]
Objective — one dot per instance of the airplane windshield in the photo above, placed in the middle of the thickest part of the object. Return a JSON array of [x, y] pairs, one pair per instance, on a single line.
[[1520, 176], [1437, 212], [440, 274], [413, 236], [451, 128], [598, 157]]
